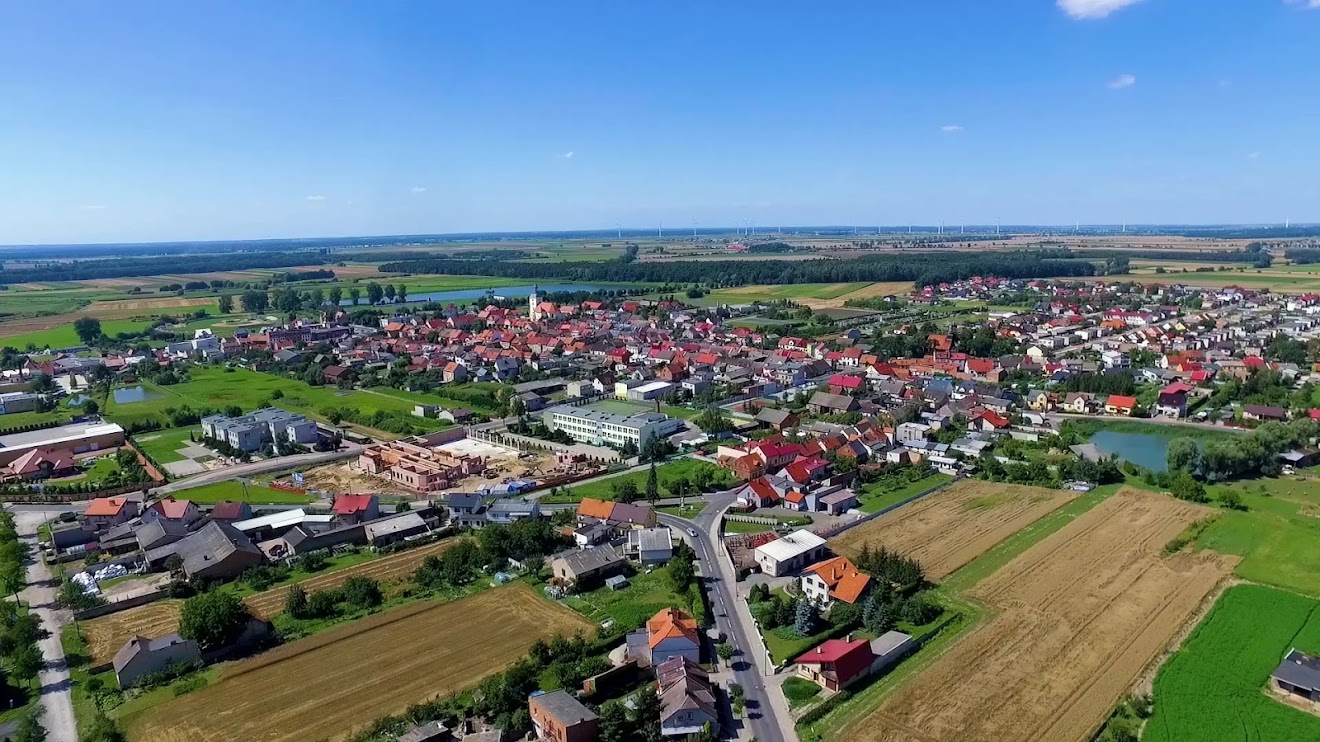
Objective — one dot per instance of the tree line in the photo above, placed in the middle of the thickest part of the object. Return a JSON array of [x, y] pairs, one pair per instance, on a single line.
[[78, 270], [922, 268]]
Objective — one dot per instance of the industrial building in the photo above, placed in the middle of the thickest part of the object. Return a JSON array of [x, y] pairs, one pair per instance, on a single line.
[[598, 427]]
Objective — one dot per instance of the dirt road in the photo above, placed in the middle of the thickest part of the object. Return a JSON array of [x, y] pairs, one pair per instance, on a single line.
[[56, 688]]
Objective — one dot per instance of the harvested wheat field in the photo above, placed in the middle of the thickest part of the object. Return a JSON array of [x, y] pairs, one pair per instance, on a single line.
[[878, 289], [952, 527], [392, 568], [105, 308], [1077, 618], [105, 635], [326, 685]]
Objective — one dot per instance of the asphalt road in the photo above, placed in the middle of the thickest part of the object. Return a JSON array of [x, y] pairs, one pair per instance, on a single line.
[[763, 719], [260, 467], [56, 686]]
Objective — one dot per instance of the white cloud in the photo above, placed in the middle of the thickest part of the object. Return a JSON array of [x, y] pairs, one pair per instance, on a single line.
[[567, 155], [94, 207], [952, 129], [1088, 10], [1308, 4], [316, 198], [1122, 81], [419, 189]]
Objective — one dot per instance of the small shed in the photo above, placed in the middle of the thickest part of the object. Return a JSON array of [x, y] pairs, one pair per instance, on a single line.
[[1298, 675], [617, 582]]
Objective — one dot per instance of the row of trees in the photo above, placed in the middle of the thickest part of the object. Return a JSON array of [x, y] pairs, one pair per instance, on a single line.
[[357, 593], [292, 300], [922, 268], [80, 270], [1241, 456]]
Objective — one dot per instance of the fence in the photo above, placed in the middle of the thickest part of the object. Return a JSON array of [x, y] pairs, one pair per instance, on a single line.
[[147, 463], [119, 605], [840, 528]]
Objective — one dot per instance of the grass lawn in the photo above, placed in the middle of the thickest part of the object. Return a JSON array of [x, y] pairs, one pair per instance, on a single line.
[[75, 653], [1212, 689], [209, 494], [20, 419], [163, 445], [881, 495], [799, 691], [604, 489], [685, 511], [214, 388], [645, 596], [1278, 537], [784, 644], [63, 336]]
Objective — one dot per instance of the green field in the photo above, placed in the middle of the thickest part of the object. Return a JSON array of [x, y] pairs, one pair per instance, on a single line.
[[749, 294], [212, 387], [209, 494], [1278, 537], [163, 445], [645, 596], [881, 495], [1211, 690], [63, 336], [60, 414], [667, 472]]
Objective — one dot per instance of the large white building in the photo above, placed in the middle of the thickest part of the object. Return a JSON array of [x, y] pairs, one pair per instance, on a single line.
[[251, 432], [598, 427], [790, 553]]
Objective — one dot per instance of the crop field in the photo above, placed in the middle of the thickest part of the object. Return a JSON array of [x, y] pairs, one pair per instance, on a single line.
[[1077, 617], [952, 527], [56, 331], [392, 568], [328, 684], [1211, 689], [105, 635]]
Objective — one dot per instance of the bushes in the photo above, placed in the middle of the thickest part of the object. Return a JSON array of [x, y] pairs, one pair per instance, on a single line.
[[357, 593]]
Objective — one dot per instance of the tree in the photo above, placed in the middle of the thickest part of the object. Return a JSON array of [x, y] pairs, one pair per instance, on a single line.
[[90, 407], [712, 420], [682, 573], [255, 301], [29, 728], [374, 293], [614, 724], [336, 295], [390, 291], [401, 291], [226, 303], [652, 485], [1184, 455], [804, 620], [88, 329], [724, 651], [354, 294], [25, 663], [102, 729], [626, 491], [646, 715], [363, 592], [1232, 500], [678, 486], [295, 601], [213, 619]]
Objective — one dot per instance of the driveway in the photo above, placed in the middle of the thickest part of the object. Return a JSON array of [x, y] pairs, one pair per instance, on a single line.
[[767, 717], [56, 689]]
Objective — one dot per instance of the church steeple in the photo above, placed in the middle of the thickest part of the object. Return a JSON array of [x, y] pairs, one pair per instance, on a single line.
[[534, 304]]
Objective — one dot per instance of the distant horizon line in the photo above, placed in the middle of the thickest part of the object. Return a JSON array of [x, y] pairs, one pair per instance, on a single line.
[[749, 230]]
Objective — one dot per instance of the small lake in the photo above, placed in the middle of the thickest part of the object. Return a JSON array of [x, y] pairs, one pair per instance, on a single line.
[[470, 294], [131, 394], [1142, 449]]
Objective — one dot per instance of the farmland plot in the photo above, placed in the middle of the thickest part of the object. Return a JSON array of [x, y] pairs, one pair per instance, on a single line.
[[326, 685], [1078, 617], [393, 568], [954, 526], [105, 635], [1210, 690]]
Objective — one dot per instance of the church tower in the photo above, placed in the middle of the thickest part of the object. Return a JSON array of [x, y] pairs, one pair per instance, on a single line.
[[534, 304]]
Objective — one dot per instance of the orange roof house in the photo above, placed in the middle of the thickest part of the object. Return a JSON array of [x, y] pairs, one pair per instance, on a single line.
[[672, 633], [106, 506], [593, 508], [835, 579]]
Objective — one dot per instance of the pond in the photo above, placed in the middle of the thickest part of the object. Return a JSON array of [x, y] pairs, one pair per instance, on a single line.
[[470, 294], [131, 394], [77, 400], [1143, 449]]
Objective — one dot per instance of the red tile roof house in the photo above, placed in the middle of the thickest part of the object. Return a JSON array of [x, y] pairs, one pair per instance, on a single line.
[[230, 511], [104, 512], [836, 664], [180, 511], [39, 463], [350, 509]]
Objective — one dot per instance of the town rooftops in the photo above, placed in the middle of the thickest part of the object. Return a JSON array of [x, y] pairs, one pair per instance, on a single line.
[[278, 519], [138, 643], [591, 560], [394, 524], [671, 623], [793, 545], [848, 658], [841, 576], [171, 508]]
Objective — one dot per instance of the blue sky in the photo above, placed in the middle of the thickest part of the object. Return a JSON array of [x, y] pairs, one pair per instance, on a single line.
[[136, 121]]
